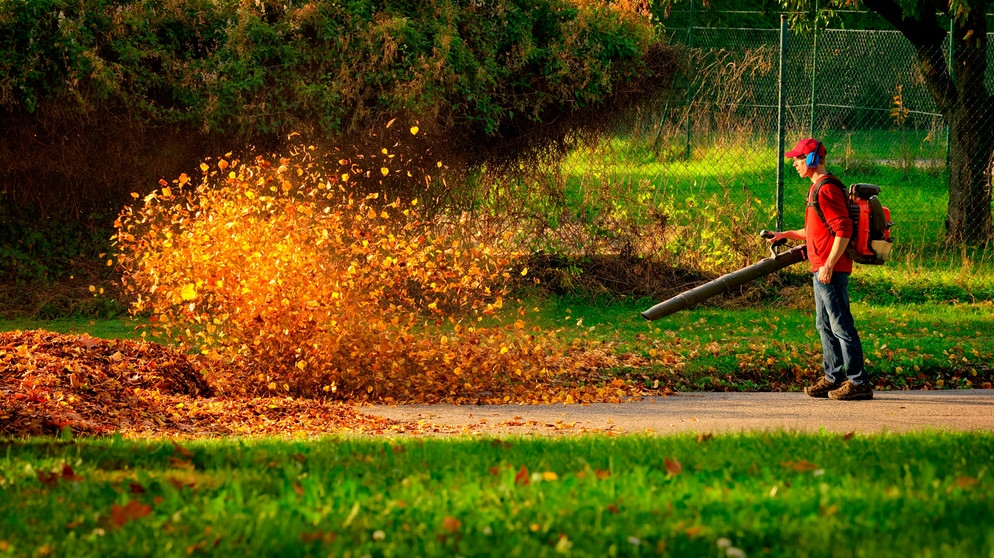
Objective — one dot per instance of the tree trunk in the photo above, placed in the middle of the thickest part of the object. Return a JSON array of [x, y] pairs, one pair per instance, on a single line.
[[964, 102], [971, 134], [971, 141]]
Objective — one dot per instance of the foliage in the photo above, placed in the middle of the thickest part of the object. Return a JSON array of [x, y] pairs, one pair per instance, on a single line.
[[783, 494], [264, 67]]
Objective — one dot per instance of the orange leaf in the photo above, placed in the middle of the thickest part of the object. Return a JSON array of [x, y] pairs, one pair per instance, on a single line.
[[673, 466], [800, 466], [522, 476], [119, 515], [451, 524], [181, 450]]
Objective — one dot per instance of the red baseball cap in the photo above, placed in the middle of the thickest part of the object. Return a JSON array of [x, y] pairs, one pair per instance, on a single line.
[[805, 146]]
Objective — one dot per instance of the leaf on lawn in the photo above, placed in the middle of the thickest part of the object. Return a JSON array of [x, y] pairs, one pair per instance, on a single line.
[[522, 476], [451, 524], [181, 450], [120, 515], [965, 482], [801, 466], [673, 466], [319, 535], [69, 475], [48, 479]]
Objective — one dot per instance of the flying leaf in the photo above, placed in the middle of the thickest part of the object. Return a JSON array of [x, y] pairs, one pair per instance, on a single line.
[[414, 130], [189, 292]]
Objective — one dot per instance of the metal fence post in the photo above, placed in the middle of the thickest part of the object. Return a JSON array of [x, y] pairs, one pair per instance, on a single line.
[[690, 93], [814, 69], [952, 73], [780, 119]]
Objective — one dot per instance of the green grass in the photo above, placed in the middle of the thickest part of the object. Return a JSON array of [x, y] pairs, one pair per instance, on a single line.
[[737, 169], [930, 340], [918, 328], [766, 494], [114, 328]]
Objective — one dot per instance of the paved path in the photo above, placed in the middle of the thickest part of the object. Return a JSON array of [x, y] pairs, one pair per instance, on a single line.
[[889, 411]]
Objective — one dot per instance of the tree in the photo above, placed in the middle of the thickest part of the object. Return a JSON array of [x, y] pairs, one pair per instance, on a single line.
[[960, 95]]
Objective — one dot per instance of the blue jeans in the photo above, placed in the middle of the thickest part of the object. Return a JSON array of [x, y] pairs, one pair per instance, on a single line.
[[840, 344]]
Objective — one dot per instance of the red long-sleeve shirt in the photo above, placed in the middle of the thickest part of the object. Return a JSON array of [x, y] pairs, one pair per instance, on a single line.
[[835, 206]]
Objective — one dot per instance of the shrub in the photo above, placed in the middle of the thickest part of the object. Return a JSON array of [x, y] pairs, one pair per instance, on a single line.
[[267, 66]]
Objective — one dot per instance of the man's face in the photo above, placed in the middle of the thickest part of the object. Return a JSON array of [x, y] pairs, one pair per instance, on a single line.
[[801, 166]]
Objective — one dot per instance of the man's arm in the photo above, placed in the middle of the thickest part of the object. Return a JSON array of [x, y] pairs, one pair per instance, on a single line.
[[838, 248], [797, 234]]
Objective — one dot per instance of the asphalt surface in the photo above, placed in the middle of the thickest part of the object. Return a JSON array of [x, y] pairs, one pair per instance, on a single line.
[[702, 413]]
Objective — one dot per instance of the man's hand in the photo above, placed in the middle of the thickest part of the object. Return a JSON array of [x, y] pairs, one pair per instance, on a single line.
[[825, 274], [775, 236]]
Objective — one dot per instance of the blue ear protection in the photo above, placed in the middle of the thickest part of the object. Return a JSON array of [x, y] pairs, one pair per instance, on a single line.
[[814, 158]]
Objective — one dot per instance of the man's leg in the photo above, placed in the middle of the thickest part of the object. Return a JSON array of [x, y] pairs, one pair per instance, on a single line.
[[832, 353], [844, 330]]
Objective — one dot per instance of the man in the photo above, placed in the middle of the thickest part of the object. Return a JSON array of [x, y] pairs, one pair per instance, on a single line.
[[827, 230]]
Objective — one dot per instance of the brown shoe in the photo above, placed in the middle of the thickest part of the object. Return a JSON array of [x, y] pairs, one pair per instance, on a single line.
[[822, 387], [852, 392]]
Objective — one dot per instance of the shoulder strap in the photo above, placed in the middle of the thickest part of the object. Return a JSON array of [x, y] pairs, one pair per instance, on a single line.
[[827, 179]]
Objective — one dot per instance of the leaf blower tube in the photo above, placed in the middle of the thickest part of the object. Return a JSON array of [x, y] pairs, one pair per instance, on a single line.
[[729, 281]]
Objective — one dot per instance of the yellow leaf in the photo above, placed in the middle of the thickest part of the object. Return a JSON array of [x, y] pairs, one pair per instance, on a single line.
[[189, 292], [204, 167], [371, 214], [166, 192], [301, 364], [524, 272], [345, 177], [549, 476], [385, 171], [414, 130]]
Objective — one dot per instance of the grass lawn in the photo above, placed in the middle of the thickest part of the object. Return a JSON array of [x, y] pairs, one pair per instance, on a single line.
[[763, 494], [918, 331]]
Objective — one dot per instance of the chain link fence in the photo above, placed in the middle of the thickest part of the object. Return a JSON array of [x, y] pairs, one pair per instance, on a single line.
[[702, 168]]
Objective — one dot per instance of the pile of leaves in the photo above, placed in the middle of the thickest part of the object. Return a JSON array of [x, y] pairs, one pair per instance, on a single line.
[[53, 383]]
